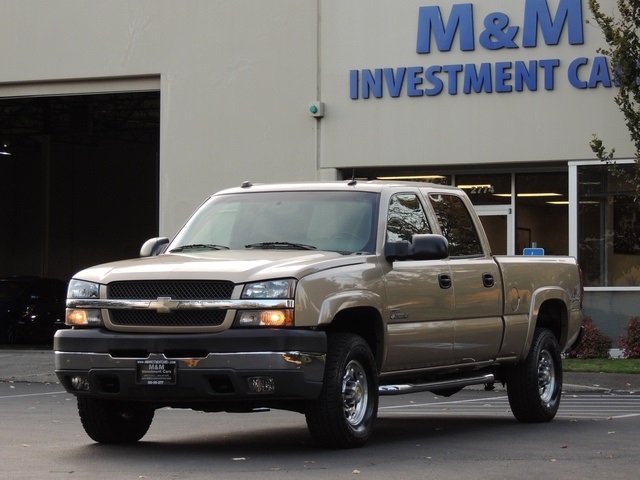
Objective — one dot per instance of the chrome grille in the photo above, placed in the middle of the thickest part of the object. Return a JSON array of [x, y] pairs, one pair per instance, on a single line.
[[178, 290], [180, 318]]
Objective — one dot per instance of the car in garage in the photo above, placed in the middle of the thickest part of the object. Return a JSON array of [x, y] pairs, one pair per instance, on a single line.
[[31, 309]]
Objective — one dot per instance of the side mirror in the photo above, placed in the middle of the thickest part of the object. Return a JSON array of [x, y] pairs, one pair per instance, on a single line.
[[422, 247], [429, 247], [154, 246]]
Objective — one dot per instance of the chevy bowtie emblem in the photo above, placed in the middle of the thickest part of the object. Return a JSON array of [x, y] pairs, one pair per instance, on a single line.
[[164, 305]]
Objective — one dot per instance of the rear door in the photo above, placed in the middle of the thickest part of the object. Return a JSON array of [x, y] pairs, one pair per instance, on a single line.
[[477, 284]]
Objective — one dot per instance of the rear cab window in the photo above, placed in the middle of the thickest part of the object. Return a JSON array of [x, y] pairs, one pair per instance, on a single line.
[[456, 225]]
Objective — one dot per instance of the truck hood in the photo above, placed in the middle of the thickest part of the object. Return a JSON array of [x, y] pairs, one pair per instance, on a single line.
[[237, 266]]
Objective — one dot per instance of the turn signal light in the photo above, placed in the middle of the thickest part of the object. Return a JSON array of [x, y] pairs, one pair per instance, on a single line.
[[265, 318], [83, 318]]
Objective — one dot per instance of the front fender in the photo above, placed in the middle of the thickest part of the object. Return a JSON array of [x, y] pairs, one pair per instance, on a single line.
[[334, 304], [320, 297], [319, 311]]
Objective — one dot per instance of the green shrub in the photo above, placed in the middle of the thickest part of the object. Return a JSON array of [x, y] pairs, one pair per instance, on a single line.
[[594, 344], [630, 340]]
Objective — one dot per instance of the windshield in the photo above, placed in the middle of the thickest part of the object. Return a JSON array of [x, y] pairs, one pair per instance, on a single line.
[[308, 220]]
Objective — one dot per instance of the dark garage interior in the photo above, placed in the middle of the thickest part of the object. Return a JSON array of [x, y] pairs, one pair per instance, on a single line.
[[78, 180]]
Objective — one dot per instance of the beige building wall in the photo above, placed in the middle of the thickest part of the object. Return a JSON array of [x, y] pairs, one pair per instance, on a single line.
[[236, 79], [477, 128]]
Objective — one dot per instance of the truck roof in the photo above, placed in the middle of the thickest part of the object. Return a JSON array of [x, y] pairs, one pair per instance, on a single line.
[[375, 186]]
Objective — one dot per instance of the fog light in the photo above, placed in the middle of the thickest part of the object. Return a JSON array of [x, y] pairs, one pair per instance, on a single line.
[[262, 384], [80, 383]]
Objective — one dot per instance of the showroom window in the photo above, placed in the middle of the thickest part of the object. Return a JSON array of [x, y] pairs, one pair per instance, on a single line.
[[608, 228], [486, 189], [542, 201]]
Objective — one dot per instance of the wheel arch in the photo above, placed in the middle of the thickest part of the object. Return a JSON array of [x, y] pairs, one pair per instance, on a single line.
[[365, 321], [553, 315], [550, 310]]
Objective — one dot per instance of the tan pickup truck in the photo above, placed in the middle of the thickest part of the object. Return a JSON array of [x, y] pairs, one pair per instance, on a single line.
[[316, 298]]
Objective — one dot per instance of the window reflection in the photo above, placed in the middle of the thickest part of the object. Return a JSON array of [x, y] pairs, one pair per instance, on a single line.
[[457, 225], [406, 218]]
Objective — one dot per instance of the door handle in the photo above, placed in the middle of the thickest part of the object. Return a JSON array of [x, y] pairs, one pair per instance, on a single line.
[[444, 280], [488, 280]]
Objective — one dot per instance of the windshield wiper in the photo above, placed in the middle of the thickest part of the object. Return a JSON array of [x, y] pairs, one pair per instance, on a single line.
[[282, 245], [199, 246]]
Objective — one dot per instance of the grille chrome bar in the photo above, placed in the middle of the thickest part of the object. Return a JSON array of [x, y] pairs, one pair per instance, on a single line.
[[171, 304]]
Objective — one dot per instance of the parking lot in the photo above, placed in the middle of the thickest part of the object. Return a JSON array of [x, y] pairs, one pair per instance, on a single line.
[[583, 405], [469, 435]]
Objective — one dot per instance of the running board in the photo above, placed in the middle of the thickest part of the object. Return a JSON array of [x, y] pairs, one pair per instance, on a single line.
[[435, 386]]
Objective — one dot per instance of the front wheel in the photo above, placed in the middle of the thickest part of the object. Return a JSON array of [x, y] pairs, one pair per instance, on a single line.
[[535, 386], [344, 415], [109, 421]]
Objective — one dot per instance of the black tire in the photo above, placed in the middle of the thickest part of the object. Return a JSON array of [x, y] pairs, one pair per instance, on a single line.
[[535, 386], [344, 414], [108, 421]]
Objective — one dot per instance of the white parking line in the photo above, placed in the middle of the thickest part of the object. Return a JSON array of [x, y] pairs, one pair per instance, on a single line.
[[22, 395], [571, 407], [446, 402]]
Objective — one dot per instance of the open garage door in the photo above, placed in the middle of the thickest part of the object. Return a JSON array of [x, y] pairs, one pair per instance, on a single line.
[[78, 180]]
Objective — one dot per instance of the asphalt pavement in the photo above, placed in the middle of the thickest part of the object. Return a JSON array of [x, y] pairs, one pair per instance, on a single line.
[[36, 365]]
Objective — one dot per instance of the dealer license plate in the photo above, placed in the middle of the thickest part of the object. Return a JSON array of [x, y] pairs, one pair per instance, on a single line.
[[156, 372]]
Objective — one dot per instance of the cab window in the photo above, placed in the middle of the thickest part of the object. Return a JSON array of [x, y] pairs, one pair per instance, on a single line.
[[456, 225], [406, 218]]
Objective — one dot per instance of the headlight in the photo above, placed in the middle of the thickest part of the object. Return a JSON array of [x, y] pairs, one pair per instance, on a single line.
[[270, 289], [82, 289], [83, 317]]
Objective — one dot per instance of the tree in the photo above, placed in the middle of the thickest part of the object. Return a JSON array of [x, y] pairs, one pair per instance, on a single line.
[[621, 35]]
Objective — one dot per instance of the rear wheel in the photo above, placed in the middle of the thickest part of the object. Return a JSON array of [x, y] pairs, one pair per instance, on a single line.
[[344, 415], [535, 386], [108, 421]]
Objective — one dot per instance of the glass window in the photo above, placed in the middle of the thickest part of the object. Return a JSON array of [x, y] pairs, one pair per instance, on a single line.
[[343, 222], [457, 225], [542, 212], [608, 228], [486, 189], [406, 218]]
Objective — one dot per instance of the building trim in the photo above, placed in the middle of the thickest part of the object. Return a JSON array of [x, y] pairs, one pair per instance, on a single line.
[[86, 86]]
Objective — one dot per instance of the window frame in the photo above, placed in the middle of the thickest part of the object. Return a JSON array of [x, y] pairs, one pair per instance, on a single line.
[[573, 217]]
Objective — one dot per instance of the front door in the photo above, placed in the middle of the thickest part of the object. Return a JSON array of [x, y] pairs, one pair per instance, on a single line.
[[419, 296]]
